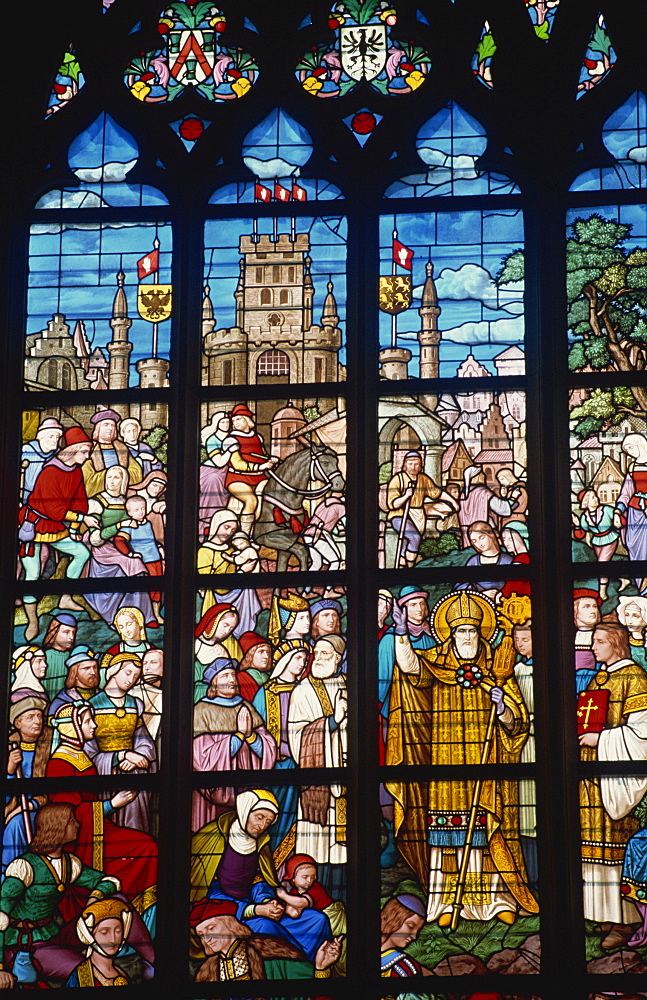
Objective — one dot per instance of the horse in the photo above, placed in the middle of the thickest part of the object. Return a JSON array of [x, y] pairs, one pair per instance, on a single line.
[[282, 517]]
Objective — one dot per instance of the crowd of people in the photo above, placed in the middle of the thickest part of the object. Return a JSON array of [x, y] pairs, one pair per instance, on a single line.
[[619, 528], [421, 520], [441, 675], [92, 505], [76, 713], [307, 515]]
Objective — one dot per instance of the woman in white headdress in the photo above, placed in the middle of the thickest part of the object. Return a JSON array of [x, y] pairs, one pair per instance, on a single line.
[[29, 665], [231, 859], [103, 928], [632, 613]]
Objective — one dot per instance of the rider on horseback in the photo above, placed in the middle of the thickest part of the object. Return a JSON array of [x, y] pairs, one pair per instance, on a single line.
[[248, 464]]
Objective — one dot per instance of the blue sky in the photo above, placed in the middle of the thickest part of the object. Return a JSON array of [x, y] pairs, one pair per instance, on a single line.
[[74, 272], [466, 249], [327, 249]]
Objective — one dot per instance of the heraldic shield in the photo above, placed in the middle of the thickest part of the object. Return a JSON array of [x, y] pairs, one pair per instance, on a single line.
[[363, 50], [395, 293], [154, 302], [191, 56]]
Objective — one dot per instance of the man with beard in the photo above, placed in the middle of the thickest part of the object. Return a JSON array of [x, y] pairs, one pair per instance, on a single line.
[[441, 703], [317, 720], [413, 498], [82, 681], [228, 732], [30, 742], [107, 450], [58, 644]]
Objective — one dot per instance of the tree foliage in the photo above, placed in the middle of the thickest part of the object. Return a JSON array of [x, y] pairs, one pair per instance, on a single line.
[[604, 408], [606, 286]]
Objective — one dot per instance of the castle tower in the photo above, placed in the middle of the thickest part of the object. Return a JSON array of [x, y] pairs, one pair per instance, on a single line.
[[394, 362], [119, 347], [274, 339], [51, 359], [429, 336]]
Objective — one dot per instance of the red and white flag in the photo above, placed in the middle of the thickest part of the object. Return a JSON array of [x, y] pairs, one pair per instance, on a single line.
[[402, 255], [148, 264], [281, 193], [262, 193], [298, 193]]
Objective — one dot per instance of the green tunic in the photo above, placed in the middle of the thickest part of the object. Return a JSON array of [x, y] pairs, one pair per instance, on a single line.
[[54, 678], [31, 892]]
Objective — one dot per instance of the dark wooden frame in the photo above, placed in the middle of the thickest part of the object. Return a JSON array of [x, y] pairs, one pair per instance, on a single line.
[[532, 112]]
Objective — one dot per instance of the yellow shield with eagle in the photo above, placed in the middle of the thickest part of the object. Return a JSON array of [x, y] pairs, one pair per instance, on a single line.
[[154, 302], [395, 293]]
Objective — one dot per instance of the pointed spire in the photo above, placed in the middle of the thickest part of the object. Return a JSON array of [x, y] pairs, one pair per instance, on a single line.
[[429, 336], [207, 304], [120, 305], [81, 344], [329, 316], [429, 294]]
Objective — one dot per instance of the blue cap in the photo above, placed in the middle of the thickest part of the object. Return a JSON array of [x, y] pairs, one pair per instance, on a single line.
[[325, 604], [78, 655], [65, 618], [412, 903], [408, 593], [222, 663]]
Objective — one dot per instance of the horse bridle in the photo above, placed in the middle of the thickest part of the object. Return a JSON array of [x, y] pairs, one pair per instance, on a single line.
[[316, 471]]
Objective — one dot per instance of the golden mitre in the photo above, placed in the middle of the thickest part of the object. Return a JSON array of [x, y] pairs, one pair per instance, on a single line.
[[464, 608], [293, 602]]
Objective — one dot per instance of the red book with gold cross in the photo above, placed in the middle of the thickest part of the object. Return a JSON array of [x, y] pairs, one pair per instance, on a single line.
[[592, 711]]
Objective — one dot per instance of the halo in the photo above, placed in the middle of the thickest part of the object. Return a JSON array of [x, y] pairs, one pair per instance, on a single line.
[[442, 630]]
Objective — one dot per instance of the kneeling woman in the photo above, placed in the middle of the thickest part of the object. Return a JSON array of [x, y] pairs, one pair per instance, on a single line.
[[231, 852]]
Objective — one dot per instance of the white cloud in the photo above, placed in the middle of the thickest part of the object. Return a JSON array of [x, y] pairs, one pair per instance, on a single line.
[[638, 154], [444, 168], [267, 170], [109, 173], [471, 281], [499, 331]]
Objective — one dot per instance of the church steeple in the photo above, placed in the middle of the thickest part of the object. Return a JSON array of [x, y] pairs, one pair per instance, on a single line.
[[329, 316], [119, 347], [429, 336]]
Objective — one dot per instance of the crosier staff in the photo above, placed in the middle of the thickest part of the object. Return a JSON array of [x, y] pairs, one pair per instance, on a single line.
[[513, 610]]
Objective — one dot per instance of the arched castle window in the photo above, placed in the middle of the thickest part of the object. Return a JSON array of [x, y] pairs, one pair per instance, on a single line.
[[273, 363], [333, 315]]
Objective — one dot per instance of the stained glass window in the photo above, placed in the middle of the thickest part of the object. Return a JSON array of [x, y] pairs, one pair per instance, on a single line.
[[322, 662]]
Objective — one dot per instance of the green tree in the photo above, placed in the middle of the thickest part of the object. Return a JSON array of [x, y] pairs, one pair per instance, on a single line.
[[603, 409], [606, 284]]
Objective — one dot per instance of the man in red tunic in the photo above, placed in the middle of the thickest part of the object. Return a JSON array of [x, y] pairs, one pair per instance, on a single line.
[[247, 465], [53, 514]]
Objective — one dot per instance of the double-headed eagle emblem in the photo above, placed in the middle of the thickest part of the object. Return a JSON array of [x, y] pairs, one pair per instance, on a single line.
[[154, 302]]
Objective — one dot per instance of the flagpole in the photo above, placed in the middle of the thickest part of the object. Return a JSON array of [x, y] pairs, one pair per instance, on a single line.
[[394, 316], [255, 224], [275, 221], [156, 246]]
